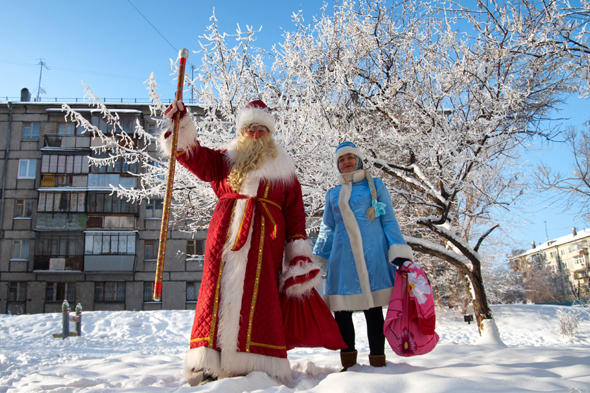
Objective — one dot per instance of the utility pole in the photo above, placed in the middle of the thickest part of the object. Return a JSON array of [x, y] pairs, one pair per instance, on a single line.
[[192, 87], [40, 89]]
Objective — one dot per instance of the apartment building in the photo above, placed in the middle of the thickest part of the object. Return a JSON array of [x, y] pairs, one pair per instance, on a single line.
[[64, 236], [567, 255]]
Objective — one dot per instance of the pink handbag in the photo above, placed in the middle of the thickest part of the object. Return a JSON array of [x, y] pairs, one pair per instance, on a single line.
[[409, 324]]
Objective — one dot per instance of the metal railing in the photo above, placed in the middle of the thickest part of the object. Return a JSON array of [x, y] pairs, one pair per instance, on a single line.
[[82, 100]]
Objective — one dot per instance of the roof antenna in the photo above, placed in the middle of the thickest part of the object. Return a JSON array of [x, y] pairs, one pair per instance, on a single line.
[[40, 89], [546, 233]]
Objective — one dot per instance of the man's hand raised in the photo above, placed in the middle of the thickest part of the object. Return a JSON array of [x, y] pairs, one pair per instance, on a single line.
[[175, 107]]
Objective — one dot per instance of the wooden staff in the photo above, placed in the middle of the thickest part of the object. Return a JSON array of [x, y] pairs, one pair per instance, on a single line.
[[168, 196]]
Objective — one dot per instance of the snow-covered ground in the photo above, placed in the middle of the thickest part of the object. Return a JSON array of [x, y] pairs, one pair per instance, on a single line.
[[143, 352]]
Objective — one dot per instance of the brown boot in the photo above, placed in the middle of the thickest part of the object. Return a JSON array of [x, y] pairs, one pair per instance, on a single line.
[[348, 359], [377, 360]]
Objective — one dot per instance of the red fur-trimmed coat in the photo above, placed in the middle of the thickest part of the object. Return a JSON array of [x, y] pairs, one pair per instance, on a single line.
[[256, 251]]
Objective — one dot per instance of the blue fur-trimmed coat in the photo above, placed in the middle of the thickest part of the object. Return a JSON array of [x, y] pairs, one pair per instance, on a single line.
[[358, 252]]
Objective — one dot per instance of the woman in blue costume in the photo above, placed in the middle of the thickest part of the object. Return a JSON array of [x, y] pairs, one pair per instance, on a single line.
[[360, 242]]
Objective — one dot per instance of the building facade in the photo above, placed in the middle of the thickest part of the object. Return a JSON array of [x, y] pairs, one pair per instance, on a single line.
[[567, 255], [65, 236]]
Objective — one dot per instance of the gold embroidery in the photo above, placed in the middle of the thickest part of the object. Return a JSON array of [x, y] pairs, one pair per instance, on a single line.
[[267, 346], [266, 190], [256, 283]]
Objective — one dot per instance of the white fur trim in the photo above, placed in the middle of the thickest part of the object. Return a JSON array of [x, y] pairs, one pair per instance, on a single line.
[[296, 248], [242, 363], [400, 251], [302, 289], [247, 116], [281, 169], [232, 283], [203, 359], [349, 149], [293, 249], [223, 364], [187, 135], [380, 298], [356, 241]]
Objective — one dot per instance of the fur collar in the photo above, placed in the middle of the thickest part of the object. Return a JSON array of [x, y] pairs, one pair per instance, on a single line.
[[281, 169]]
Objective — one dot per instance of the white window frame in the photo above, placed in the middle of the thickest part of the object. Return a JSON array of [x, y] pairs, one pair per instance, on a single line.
[[31, 165]]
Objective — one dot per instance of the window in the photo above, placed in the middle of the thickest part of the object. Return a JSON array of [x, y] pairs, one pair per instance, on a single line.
[[58, 291], [195, 247], [30, 131], [106, 203], [27, 169], [110, 243], [554, 254], [126, 122], [119, 165], [62, 163], [20, 249], [61, 202], [148, 291], [17, 291], [578, 261], [151, 129], [69, 129], [192, 290], [109, 291], [59, 244], [153, 209], [572, 248], [23, 208], [151, 249]]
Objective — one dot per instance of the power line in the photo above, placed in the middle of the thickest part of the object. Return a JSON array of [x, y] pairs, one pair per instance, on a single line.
[[53, 68], [162, 35]]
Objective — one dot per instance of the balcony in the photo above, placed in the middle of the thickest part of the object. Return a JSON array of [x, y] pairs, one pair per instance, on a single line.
[[59, 264], [61, 221], [104, 181], [62, 142], [109, 263]]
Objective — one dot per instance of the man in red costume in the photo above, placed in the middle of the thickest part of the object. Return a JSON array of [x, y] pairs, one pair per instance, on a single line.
[[258, 275]]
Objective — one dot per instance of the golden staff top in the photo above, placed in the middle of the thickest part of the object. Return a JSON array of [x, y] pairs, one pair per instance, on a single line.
[[168, 196]]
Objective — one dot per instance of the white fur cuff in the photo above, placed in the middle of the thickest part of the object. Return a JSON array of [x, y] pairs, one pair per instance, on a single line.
[[400, 251], [303, 285], [187, 135], [295, 248]]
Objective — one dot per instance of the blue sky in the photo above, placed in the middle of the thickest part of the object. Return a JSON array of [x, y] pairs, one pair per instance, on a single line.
[[111, 46]]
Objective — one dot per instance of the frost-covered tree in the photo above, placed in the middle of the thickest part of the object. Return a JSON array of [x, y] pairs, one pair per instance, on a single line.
[[543, 284], [439, 96], [573, 188]]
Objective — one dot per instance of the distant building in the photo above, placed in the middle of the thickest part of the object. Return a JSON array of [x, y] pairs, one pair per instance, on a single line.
[[567, 255], [62, 233]]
